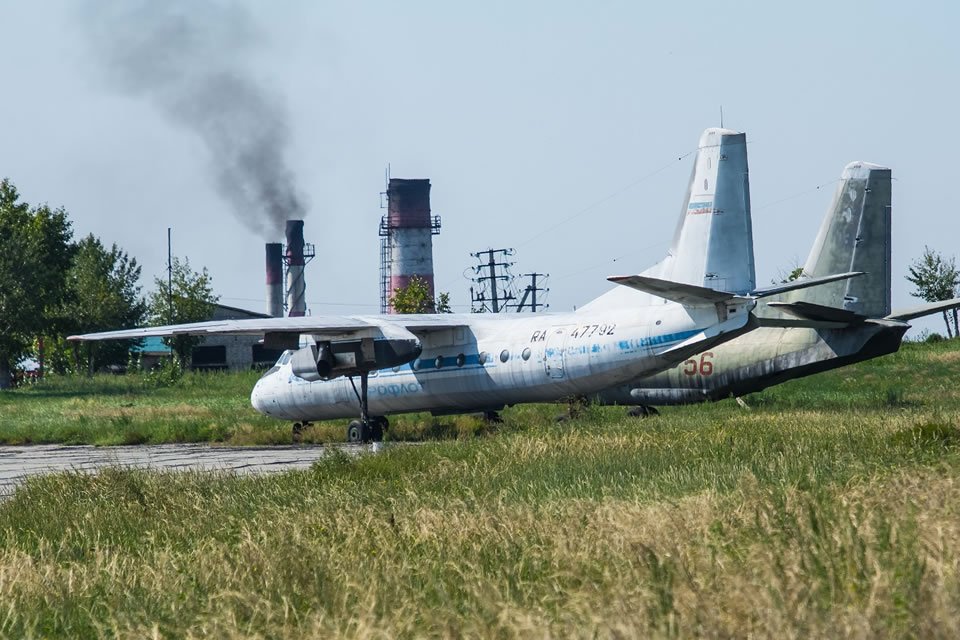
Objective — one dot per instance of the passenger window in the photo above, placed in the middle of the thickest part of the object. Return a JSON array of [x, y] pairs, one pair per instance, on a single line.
[[504, 355], [526, 354]]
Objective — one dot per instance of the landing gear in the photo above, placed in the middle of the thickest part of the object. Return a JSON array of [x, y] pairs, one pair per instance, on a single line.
[[298, 429], [575, 407], [358, 432], [642, 411], [492, 417], [366, 429]]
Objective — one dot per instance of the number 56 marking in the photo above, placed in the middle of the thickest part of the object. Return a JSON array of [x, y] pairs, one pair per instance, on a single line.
[[703, 366]]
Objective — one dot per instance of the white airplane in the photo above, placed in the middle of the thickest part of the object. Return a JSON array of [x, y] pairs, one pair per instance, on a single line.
[[446, 363]]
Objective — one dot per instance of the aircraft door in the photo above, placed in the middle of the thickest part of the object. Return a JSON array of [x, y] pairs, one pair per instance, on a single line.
[[553, 350]]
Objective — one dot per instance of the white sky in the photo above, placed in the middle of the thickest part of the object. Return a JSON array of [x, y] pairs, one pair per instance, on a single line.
[[523, 115]]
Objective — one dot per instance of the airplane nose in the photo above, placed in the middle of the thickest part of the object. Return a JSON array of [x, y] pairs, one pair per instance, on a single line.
[[258, 398]]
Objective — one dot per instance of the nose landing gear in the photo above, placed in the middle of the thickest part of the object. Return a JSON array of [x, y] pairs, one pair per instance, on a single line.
[[367, 428]]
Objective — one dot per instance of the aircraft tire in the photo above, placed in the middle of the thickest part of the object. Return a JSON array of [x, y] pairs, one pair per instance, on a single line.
[[642, 411], [356, 432]]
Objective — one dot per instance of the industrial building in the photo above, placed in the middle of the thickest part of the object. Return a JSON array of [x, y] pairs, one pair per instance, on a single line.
[[216, 353], [406, 246]]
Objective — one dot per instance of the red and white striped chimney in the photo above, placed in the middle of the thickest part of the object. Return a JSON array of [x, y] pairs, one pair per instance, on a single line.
[[409, 233]]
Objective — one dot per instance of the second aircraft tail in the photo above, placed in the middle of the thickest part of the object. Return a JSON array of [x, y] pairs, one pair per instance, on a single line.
[[854, 236]]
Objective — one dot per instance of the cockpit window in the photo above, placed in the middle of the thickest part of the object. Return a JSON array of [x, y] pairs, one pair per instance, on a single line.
[[272, 370], [284, 359]]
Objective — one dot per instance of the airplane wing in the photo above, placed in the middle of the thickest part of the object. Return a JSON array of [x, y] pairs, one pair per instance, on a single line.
[[325, 327], [924, 310]]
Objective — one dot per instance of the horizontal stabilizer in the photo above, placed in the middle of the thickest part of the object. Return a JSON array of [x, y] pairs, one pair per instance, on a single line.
[[686, 294], [790, 323], [803, 283], [924, 310], [817, 312]]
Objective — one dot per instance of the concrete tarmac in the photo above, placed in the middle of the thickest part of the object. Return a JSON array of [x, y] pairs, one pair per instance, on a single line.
[[17, 463]]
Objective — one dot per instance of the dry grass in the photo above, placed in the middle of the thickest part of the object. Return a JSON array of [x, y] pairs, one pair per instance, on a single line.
[[753, 563], [553, 534], [830, 510]]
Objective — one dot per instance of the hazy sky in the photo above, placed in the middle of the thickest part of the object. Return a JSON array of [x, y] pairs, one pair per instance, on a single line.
[[552, 127]]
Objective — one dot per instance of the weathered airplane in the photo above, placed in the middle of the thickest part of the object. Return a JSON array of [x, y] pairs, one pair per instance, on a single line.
[[805, 332], [446, 363]]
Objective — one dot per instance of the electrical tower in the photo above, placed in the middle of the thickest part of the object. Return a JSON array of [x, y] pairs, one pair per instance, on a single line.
[[496, 289], [529, 297], [494, 282]]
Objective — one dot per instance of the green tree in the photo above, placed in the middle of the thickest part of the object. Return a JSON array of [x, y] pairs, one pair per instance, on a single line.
[[794, 274], [35, 254], [188, 298], [936, 278], [415, 298], [103, 292]]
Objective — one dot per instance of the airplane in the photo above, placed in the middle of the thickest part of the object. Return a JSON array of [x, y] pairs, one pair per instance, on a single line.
[[806, 332], [449, 363]]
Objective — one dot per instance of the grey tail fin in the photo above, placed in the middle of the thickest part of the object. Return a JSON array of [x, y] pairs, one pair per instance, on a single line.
[[712, 247], [713, 244], [854, 236]]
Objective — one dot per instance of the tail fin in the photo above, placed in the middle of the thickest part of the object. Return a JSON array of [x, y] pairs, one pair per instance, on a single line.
[[713, 244], [855, 236]]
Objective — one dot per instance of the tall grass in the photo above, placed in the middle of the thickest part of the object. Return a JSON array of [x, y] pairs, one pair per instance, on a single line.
[[594, 529], [812, 515]]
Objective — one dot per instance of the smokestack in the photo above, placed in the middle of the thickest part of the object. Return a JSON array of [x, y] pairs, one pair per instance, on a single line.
[[296, 287], [274, 279], [408, 231]]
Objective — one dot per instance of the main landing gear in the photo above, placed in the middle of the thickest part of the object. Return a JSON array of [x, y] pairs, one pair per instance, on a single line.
[[642, 411], [358, 432], [298, 429], [367, 428]]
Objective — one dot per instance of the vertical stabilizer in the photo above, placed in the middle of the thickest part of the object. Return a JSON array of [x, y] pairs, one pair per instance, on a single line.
[[713, 243], [855, 236]]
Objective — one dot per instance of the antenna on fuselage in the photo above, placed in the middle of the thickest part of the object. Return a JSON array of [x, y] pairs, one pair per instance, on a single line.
[[721, 116]]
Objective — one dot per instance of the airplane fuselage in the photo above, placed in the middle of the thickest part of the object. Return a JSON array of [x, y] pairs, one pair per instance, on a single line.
[[488, 362], [762, 358]]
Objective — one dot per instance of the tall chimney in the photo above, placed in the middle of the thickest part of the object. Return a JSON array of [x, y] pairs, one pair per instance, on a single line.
[[407, 232], [274, 279], [296, 287]]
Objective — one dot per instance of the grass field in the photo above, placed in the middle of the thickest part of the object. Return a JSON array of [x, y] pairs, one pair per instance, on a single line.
[[831, 508]]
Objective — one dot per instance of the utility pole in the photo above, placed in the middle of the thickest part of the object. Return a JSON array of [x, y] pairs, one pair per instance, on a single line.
[[495, 268], [170, 275], [531, 292]]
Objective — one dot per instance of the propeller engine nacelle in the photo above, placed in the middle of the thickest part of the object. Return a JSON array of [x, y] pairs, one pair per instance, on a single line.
[[329, 360]]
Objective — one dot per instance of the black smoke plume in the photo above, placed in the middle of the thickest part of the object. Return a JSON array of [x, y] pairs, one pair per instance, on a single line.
[[191, 60]]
